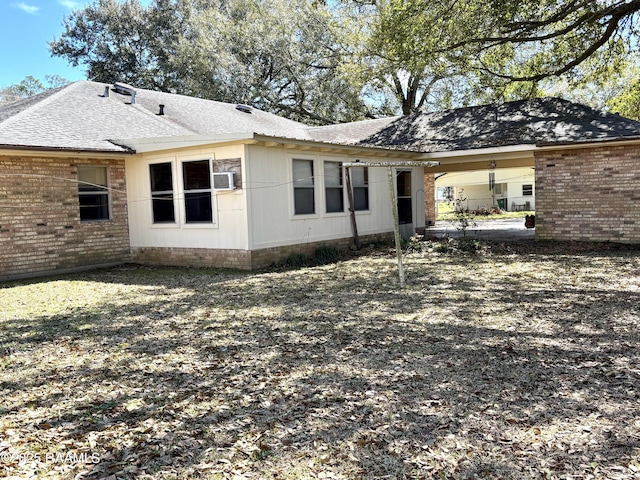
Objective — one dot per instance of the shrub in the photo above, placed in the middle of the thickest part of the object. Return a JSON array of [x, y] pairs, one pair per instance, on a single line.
[[413, 244], [326, 254], [460, 245], [295, 260], [485, 212], [463, 217]]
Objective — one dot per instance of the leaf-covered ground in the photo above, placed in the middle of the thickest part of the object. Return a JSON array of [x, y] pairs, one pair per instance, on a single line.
[[521, 363]]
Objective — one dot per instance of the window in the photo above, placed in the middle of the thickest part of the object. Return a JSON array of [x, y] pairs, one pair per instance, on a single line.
[[93, 193], [162, 193], [360, 187], [303, 187], [403, 186], [527, 190], [333, 187], [196, 177]]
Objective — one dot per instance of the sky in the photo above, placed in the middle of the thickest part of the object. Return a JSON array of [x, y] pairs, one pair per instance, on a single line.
[[26, 27]]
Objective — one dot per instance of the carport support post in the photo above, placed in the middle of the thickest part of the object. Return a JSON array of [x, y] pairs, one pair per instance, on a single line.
[[396, 224]]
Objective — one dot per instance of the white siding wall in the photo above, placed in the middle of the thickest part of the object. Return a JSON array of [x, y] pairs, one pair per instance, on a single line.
[[476, 186], [229, 229], [271, 205]]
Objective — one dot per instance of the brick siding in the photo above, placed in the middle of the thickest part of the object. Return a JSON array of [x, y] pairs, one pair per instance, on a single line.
[[40, 227], [429, 199], [239, 259], [589, 194]]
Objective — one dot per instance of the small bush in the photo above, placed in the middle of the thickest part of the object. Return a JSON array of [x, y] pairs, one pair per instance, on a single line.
[[460, 245], [326, 254], [413, 244], [295, 260], [446, 246], [469, 245], [485, 212]]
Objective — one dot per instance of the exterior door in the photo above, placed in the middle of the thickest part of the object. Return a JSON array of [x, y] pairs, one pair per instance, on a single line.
[[405, 203]]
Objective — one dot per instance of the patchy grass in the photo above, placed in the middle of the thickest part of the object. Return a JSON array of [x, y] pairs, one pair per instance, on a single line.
[[515, 362]]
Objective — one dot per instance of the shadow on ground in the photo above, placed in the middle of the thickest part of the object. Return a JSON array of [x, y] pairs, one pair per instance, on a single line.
[[483, 367]]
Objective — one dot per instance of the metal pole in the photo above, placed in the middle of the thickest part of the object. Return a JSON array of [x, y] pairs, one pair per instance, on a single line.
[[396, 224]]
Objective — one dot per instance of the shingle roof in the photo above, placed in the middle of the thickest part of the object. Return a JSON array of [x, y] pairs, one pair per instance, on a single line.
[[527, 122], [80, 117]]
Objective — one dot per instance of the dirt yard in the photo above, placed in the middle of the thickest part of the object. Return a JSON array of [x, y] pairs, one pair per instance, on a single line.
[[512, 363]]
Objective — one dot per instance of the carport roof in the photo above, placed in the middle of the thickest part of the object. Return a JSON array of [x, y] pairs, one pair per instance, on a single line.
[[539, 121]]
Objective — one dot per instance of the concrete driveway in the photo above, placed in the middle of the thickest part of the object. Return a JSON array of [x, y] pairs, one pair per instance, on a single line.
[[510, 229]]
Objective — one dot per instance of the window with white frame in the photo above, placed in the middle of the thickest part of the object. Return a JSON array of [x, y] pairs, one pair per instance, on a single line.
[[196, 178], [93, 192], [527, 190], [303, 187], [360, 187], [161, 177], [333, 191]]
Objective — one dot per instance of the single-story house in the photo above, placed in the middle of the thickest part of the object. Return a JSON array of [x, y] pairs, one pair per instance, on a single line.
[[511, 189], [94, 174]]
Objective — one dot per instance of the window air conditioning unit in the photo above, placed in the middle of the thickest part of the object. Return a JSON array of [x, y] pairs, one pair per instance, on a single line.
[[224, 181]]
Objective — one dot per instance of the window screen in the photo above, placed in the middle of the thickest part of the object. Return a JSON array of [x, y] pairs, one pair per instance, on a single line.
[[303, 187], [360, 187], [197, 191], [333, 187], [93, 193], [162, 193]]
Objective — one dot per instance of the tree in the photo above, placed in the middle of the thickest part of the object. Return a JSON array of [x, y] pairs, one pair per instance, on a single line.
[[326, 62], [279, 55], [499, 48], [29, 86], [124, 41], [627, 102]]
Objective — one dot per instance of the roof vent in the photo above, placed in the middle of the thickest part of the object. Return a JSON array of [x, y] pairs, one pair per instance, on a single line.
[[161, 112], [244, 108], [125, 89], [106, 91]]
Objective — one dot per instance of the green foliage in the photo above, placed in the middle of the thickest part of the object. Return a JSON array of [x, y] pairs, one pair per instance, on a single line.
[[323, 255], [295, 260], [326, 254], [460, 245], [462, 215], [277, 55], [29, 86], [328, 62], [627, 103], [500, 50], [413, 244]]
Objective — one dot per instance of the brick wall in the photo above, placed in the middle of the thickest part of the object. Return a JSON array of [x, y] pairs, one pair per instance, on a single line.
[[192, 257], [40, 227], [267, 256], [239, 259], [589, 194], [429, 199]]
